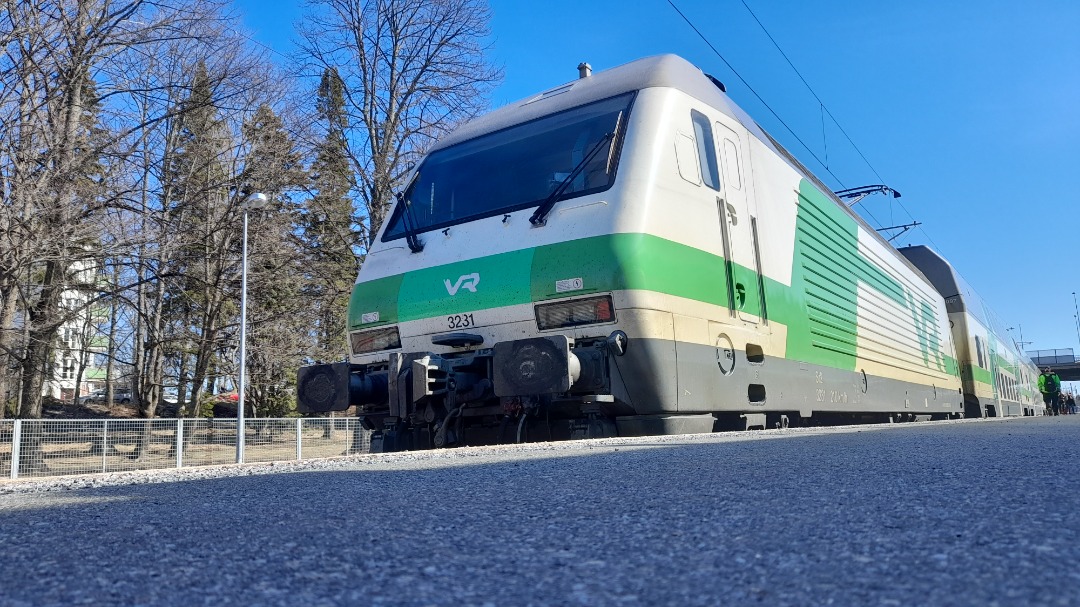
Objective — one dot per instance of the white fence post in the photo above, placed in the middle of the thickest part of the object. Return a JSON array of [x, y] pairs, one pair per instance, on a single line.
[[104, 445], [299, 448], [16, 440], [180, 443]]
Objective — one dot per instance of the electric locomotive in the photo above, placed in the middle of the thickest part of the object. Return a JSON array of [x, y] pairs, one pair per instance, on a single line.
[[629, 253]]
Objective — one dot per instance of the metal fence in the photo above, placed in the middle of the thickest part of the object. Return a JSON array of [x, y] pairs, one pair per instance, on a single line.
[[36, 447]]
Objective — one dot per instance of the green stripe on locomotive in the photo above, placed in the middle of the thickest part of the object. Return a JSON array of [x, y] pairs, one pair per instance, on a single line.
[[604, 263], [827, 270]]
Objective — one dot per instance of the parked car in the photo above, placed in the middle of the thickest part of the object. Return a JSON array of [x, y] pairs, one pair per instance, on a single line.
[[97, 397], [94, 398]]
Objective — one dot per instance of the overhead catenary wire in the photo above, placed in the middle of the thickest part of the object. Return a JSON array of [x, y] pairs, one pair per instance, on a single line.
[[811, 89], [754, 92], [766, 104], [825, 110], [823, 163], [824, 139]]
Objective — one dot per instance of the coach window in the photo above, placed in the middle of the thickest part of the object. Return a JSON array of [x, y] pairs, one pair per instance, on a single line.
[[706, 149], [978, 351]]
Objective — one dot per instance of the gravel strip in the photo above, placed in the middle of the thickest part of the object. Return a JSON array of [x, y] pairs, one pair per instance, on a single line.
[[428, 459]]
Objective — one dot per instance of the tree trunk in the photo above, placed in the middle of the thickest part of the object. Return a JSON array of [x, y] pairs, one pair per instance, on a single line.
[[110, 357], [39, 347], [7, 345]]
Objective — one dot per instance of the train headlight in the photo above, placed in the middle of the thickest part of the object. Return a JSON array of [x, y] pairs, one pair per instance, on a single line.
[[373, 340], [590, 311]]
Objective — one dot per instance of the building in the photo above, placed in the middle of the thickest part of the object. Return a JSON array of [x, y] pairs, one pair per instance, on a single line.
[[79, 343]]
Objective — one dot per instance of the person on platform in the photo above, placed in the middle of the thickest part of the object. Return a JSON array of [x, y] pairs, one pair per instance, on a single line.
[[1050, 386], [1070, 403]]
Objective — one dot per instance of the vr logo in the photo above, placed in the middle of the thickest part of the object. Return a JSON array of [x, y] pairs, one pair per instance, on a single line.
[[466, 281]]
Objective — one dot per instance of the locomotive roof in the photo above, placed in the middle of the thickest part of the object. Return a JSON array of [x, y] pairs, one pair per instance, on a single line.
[[669, 71], [939, 271]]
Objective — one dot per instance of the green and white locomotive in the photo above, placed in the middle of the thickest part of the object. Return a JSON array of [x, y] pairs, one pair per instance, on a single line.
[[630, 253]]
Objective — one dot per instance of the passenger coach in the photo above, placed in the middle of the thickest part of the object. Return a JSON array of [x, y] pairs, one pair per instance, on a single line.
[[998, 378]]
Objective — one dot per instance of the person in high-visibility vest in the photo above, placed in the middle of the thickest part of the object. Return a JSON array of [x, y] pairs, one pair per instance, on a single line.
[[1050, 386]]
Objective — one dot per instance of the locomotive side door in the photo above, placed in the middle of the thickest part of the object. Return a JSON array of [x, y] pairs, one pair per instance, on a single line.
[[739, 228]]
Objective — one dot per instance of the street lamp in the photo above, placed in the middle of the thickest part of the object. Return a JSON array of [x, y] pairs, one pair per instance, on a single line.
[[1020, 343], [250, 203]]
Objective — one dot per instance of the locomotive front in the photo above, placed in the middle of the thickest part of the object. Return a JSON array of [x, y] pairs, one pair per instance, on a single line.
[[473, 319]]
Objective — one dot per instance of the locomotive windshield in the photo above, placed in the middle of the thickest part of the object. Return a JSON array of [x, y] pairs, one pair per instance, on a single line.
[[515, 168]]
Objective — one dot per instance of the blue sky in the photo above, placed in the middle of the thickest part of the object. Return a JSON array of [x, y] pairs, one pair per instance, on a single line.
[[970, 109]]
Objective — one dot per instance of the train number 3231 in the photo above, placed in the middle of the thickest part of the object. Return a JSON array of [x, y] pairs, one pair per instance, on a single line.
[[460, 321]]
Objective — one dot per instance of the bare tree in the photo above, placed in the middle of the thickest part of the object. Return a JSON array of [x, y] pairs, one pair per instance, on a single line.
[[411, 69], [278, 313], [52, 150], [160, 104], [69, 122], [127, 130]]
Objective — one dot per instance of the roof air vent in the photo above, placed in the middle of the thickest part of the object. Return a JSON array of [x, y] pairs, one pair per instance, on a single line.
[[584, 70]]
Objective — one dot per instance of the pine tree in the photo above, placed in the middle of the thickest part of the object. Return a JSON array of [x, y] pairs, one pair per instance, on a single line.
[[198, 186], [328, 224]]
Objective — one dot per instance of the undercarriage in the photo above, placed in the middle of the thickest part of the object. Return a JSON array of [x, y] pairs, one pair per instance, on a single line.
[[540, 388]]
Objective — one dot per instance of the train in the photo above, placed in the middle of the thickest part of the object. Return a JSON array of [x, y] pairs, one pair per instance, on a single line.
[[630, 253]]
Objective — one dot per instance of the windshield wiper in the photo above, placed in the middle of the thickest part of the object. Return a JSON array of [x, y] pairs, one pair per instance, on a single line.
[[539, 218], [408, 224]]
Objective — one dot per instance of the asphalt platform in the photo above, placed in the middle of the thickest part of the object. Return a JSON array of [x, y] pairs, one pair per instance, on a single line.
[[979, 512]]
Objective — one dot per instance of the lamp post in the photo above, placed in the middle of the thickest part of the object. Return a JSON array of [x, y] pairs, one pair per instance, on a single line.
[[250, 203], [1021, 343]]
